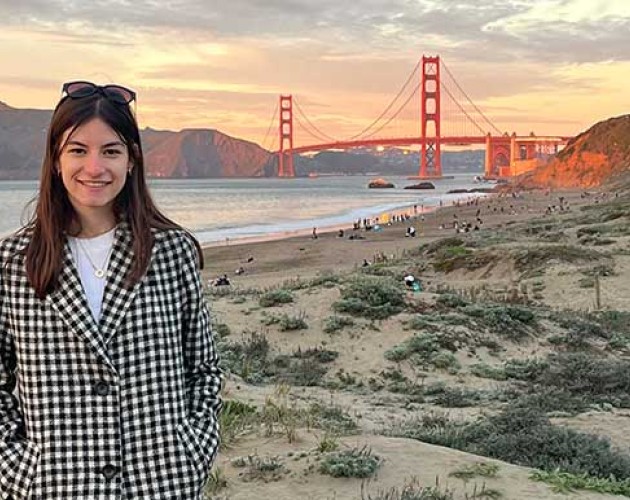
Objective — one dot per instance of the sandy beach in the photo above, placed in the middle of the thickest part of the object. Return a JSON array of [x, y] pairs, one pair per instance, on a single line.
[[302, 256], [309, 380]]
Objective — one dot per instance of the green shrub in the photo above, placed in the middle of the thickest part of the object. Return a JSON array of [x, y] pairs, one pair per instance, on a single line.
[[318, 354], [350, 463], [462, 258], [445, 361], [304, 372], [290, 323], [333, 419], [483, 370], [456, 397], [335, 323], [507, 321], [222, 330], [469, 471], [565, 482], [371, 297], [525, 369], [451, 301], [537, 257], [523, 436], [236, 418], [411, 490], [275, 297]]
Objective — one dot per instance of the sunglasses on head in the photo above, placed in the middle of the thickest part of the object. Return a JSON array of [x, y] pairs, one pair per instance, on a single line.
[[115, 93]]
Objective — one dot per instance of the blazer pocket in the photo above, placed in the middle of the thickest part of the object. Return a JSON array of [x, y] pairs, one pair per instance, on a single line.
[[188, 438], [26, 470]]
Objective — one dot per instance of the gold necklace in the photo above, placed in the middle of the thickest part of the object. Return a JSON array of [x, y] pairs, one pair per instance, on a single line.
[[99, 271]]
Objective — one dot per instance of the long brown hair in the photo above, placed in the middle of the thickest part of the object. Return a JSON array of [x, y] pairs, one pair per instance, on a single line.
[[54, 214]]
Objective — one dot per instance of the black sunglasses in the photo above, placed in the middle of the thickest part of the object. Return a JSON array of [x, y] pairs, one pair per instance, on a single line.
[[115, 93]]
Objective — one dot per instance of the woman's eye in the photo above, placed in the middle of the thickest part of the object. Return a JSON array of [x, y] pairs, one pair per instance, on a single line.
[[76, 151], [112, 152]]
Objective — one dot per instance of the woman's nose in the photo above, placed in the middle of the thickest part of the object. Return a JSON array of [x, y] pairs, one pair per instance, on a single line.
[[93, 164]]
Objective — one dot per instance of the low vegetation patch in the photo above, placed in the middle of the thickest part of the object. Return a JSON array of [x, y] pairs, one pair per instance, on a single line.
[[424, 350], [451, 258], [522, 436], [356, 462], [237, 418], [536, 258], [483, 469], [371, 297], [566, 482], [335, 323], [253, 360], [274, 298], [257, 468]]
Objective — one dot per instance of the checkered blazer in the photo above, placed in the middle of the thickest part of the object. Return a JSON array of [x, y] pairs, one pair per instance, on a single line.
[[123, 409]]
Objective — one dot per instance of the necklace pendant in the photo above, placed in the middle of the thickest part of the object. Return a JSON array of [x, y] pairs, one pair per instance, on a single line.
[[99, 273]]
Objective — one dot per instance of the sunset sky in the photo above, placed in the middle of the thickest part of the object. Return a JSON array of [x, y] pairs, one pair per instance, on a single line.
[[551, 66]]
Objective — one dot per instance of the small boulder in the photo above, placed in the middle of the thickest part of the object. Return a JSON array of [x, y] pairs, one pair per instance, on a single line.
[[380, 183], [421, 185]]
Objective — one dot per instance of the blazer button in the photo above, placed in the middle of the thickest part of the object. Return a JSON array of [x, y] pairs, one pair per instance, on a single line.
[[109, 471], [101, 388]]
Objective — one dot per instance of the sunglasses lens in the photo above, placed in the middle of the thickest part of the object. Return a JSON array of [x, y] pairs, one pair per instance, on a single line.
[[118, 94], [80, 89]]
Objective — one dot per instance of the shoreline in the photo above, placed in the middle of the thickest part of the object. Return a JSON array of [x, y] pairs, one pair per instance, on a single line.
[[270, 261], [347, 225]]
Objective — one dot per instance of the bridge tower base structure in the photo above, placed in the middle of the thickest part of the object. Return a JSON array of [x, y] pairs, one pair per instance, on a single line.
[[285, 131], [430, 157], [510, 155]]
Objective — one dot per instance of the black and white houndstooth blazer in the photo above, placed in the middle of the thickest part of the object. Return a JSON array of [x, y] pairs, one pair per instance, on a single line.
[[123, 409]]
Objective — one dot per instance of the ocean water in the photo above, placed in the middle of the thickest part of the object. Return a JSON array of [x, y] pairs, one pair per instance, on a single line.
[[217, 210]]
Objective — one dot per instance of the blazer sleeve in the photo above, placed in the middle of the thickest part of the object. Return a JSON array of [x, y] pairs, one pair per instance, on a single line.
[[203, 375], [18, 456]]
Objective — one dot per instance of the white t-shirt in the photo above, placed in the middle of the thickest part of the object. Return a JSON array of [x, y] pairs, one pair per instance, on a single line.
[[99, 250]]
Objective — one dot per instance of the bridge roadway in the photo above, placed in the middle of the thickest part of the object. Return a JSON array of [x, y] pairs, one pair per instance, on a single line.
[[451, 141]]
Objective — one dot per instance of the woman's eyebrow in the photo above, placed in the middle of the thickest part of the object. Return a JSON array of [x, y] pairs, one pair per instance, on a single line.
[[108, 145]]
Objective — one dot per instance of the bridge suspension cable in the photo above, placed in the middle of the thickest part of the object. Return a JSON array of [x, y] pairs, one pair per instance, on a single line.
[[389, 106], [444, 87], [469, 100], [400, 108], [319, 131], [273, 118]]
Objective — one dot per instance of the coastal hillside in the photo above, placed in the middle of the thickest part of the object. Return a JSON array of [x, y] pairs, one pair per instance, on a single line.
[[204, 153], [198, 153], [597, 156]]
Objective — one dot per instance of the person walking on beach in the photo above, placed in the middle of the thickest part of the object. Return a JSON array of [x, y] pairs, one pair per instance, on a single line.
[[103, 325]]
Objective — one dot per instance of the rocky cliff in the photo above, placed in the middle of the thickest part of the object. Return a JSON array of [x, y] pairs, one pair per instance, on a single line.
[[597, 156]]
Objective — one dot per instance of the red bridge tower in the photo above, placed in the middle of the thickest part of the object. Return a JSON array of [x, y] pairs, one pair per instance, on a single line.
[[430, 166], [286, 134]]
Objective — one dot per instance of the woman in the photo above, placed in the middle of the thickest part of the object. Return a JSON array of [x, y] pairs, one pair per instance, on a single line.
[[103, 325]]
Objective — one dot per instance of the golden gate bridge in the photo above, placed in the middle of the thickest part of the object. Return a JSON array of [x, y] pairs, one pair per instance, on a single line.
[[431, 110]]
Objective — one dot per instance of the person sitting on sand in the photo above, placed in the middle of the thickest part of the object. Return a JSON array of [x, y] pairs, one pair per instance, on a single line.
[[222, 281], [411, 232]]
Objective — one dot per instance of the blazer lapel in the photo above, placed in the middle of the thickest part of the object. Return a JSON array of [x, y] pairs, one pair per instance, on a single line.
[[71, 304], [117, 298]]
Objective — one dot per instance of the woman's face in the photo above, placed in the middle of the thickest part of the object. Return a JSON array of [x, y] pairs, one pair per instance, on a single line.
[[93, 165]]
